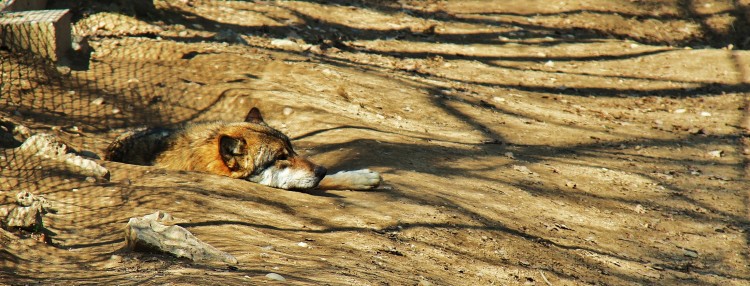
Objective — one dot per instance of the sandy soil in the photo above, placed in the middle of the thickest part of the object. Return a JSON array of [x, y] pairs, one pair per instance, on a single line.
[[521, 142]]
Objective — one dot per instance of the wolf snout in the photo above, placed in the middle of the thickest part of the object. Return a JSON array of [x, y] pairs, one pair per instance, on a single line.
[[320, 171]]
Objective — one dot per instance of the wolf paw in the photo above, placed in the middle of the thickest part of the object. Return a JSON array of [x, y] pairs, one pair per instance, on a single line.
[[364, 179]]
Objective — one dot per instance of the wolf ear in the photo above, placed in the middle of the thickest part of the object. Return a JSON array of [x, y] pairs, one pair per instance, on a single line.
[[231, 146], [254, 116]]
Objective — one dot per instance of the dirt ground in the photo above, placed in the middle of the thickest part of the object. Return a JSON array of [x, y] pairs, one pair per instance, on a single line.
[[521, 142]]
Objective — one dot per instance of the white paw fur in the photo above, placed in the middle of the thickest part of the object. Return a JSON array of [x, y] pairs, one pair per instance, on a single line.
[[364, 179]]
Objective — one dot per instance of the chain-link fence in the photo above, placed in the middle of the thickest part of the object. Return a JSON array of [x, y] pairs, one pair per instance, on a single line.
[[89, 94], [60, 106]]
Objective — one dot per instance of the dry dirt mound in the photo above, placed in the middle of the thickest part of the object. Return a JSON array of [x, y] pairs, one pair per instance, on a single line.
[[521, 142]]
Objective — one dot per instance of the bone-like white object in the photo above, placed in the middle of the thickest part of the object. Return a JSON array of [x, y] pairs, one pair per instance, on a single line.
[[48, 146], [149, 233]]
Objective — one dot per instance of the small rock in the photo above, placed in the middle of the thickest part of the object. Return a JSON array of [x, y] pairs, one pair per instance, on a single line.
[[315, 49], [302, 244], [679, 111], [284, 43], [522, 169], [562, 226], [287, 111], [716, 153], [549, 64], [64, 70], [274, 276], [509, 155], [229, 36], [330, 72], [705, 114], [498, 99], [113, 262], [690, 253], [639, 209], [98, 101]]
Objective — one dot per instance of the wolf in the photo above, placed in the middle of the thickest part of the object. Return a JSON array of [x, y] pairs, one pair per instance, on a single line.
[[249, 150]]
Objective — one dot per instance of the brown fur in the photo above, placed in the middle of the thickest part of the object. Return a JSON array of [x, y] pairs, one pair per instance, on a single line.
[[241, 150], [198, 148]]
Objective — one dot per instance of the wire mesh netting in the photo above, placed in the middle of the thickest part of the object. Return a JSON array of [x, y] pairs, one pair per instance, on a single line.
[[116, 75], [91, 94]]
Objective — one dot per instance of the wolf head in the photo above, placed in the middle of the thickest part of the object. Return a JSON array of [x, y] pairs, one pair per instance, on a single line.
[[249, 150], [254, 151]]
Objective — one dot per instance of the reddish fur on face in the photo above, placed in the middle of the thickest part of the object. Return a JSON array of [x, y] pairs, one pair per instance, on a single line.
[[199, 148]]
